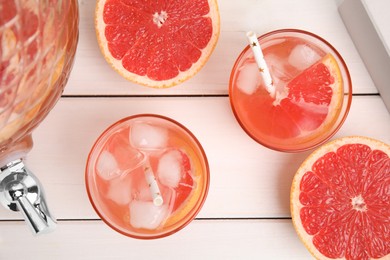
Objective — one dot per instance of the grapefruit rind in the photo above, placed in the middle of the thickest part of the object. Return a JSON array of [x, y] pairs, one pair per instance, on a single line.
[[196, 198], [296, 206], [144, 80], [337, 98]]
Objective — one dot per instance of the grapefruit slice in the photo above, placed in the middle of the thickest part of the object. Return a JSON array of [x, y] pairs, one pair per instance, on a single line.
[[340, 200], [310, 104], [186, 182], [157, 43]]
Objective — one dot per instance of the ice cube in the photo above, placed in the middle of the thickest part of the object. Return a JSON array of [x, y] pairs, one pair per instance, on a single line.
[[127, 157], [281, 75], [277, 67], [302, 57], [148, 137], [248, 79], [107, 166], [144, 214], [169, 168], [120, 191]]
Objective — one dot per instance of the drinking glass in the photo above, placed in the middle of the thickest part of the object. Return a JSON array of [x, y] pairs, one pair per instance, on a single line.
[[147, 176], [313, 91]]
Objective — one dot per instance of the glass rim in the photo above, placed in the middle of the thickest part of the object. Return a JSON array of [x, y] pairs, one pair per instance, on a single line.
[[187, 219]]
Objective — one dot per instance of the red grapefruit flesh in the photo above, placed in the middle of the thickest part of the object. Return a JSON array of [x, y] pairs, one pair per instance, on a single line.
[[313, 103], [157, 43], [182, 187], [186, 183], [340, 200]]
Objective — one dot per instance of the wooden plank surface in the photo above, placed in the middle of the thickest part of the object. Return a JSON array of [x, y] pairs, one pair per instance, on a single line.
[[247, 179], [93, 76], [232, 239]]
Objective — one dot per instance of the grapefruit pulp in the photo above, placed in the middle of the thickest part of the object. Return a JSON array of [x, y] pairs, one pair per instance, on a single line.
[[311, 102], [184, 185], [340, 200], [314, 97], [157, 43]]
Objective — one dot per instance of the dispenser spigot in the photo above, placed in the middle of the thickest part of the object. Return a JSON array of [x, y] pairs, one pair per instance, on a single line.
[[21, 191]]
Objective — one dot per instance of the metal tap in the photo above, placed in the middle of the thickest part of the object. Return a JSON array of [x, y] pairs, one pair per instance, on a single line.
[[21, 191]]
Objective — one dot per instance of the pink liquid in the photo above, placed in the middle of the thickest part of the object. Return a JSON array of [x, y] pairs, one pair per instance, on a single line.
[[120, 191], [297, 118], [37, 48]]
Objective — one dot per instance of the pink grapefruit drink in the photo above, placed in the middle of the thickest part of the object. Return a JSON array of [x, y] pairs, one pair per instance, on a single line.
[[147, 176], [312, 86]]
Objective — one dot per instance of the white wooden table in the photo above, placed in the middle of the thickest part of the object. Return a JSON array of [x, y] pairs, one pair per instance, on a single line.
[[246, 214]]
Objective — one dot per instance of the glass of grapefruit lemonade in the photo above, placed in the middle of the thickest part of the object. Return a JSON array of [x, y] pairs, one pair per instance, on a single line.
[[147, 176], [312, 91]]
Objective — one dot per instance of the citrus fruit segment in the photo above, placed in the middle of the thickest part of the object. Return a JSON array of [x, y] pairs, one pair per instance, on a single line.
[[157, 43], [340, 200], [311, 102], [182, 184]]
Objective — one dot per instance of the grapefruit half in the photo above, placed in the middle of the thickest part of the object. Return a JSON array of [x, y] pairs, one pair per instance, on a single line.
[[157, 43], [340, 200]]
